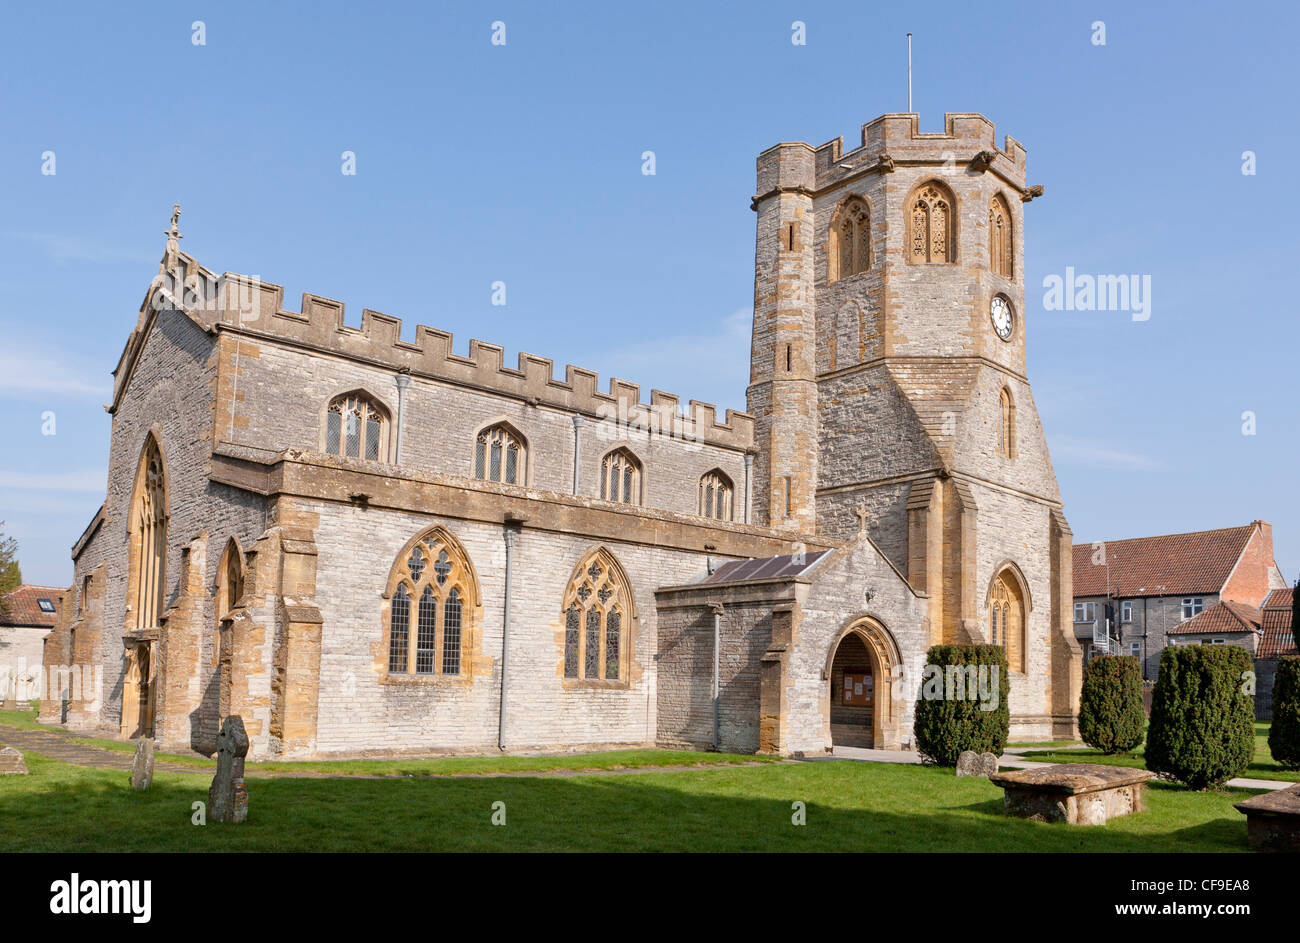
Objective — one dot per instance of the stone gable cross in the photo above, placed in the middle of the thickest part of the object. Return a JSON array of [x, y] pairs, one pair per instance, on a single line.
[[863, 516]]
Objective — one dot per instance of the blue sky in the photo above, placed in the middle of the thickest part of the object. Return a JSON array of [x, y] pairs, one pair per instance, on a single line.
[[522, 163]]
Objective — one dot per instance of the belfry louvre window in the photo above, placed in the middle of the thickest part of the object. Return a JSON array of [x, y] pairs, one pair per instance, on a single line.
[[433, 581], [850, 238], [930, 224], [620, 477], [499, 455], [716, 496], [597, 606], [355, 428], [1000, 243]]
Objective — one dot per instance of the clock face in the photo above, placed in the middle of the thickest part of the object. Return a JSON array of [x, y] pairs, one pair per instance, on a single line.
[[1002, 317]]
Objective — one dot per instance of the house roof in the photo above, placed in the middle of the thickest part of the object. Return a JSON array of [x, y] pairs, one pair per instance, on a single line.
[[1170, 565], [1275, 620], [1221, 618], [31, 605]]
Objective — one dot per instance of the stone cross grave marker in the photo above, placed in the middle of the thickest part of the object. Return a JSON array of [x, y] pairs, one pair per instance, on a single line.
[[227, 797]]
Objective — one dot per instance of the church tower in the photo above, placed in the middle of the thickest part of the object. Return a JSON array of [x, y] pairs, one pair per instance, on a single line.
[[889, 291]]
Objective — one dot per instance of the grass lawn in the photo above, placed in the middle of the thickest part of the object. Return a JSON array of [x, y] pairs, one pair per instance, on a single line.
[[850, 807], [441, 766], [1262, 767]]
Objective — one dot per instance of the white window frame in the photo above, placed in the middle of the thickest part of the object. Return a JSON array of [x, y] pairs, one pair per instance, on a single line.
[[1090, 612], [1195, 603], [1135, 649], [1126, 611]]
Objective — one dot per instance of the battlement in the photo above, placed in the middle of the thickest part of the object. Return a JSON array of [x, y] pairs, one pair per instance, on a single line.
[[888, 141], [238, 302]]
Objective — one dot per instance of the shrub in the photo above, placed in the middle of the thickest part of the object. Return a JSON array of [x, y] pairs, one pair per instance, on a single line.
[[1202, 722], [1284, 735], [950, 714], [1111, 718]]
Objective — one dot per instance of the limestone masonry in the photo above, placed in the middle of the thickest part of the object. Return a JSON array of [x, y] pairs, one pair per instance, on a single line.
[[362, 545]]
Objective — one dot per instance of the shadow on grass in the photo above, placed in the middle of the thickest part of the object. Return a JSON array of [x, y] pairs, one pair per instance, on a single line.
[[849, 807]]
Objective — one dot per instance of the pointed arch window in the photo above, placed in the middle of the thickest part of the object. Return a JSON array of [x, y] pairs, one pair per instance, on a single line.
[[716, 496], [597, 613], [500, 454], [620, 477], [931, 224], [427, 608], [1000, 242], [149, 539], [1006, 424], [356, 427], [850, 238], [1007, 619]]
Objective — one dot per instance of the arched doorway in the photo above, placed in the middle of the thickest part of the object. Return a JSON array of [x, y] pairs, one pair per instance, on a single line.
[[859, 673]]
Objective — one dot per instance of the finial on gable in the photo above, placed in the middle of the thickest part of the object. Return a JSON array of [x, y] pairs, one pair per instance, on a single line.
[[171, 253]]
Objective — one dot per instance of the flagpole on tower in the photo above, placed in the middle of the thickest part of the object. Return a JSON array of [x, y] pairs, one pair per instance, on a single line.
[[909, 73]]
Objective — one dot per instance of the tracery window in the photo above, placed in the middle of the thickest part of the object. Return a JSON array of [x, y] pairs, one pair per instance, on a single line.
[[1007, 619], [931, 225], [426, 614], [1000, 243], [597, 616], [850, 237], [149, 540], [620, 477], [716, 495], [499, 455], [355, 427]]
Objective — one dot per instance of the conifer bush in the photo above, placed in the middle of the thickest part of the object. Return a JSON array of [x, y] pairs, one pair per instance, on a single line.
[[1284, 734], [953, 715], [1111, 718], [1202, 730]]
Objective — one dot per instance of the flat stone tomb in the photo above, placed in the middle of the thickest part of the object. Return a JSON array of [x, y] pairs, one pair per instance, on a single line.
[[1078, 793], [1273, 819], [11, 762]]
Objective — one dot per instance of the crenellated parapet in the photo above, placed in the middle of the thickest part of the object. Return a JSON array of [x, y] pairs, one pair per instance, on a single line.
[[241, 303]]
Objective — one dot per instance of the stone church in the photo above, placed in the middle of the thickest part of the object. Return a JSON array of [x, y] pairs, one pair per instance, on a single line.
[[363, 545]]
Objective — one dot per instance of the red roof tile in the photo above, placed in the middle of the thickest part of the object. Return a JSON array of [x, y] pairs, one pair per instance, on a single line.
[[1278, 599], [1220, 618], [23, 606], [1171, 565], [1277, 639]]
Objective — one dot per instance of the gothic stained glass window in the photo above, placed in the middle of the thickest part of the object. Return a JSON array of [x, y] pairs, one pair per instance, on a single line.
[[595, 620], [451, 634], [399, 629], [591, 664], [499, 454], [572, 624], [613, 635], [149, 538], [436, 576], [354, 428], [1007, 619], [620, 477], [716, 496], [426, 632], [931, 225]]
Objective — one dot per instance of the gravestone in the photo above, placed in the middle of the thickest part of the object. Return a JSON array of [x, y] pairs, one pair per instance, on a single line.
[[970, 763], [11, 763], [1078, 793], [1273, 820], [227, 797], [142, 765]]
